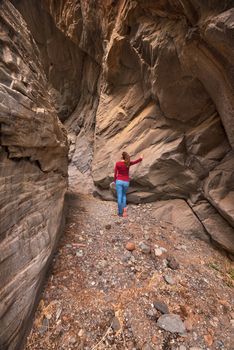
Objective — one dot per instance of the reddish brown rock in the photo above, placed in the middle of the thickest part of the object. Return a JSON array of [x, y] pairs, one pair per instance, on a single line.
[[130, 246]]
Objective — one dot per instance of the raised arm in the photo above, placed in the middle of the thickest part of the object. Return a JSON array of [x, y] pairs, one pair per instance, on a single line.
[[132, 162]]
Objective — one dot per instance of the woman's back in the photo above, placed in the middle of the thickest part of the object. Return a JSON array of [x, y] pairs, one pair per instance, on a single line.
[[122, 171]]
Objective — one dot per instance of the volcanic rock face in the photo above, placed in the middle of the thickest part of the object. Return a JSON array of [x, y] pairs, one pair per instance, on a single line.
[[151, 77], [33, 170]]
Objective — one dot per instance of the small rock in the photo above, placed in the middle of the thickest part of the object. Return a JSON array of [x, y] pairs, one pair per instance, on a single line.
[[44, 327], [151, 313], [144, 248], [48, 316], [138, 268], [81, 333], [232, 323], [115, 325], [181, 247], [79, 253], [162, 307], [108, 227], [208, 339], [58, 313], [72, 340], [172, 263], [171, 323], [195, 348], [146, 236], [158, 252], [130, 246], [169, 279], [68, 245]]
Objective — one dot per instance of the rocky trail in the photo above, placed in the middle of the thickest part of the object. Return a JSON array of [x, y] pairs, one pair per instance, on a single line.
[[132, 283]]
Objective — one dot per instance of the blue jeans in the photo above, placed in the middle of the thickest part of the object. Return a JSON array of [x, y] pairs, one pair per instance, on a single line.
[[121, 189]]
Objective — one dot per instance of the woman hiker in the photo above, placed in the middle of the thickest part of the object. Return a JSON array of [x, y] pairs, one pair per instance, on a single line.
[[121, 179]]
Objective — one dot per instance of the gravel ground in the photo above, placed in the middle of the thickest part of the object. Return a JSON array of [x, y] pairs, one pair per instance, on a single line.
[[133, 283]]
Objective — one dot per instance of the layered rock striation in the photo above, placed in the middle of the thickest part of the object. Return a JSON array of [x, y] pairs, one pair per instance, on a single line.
[[151, 77], [145, 76], [33, 176]]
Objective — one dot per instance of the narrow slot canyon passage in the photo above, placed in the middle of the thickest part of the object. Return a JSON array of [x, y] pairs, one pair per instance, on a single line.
[[99, 295], [82, 81]]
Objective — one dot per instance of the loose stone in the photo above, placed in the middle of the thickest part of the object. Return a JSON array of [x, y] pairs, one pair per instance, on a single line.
[[116, 326], [144, 248], [158, 252], [162, 307], [172, 263], [79, 253], [171, 323], [130, 246], [169, 279]]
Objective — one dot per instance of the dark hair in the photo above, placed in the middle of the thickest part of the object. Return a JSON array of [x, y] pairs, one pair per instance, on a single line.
[[126, 158]]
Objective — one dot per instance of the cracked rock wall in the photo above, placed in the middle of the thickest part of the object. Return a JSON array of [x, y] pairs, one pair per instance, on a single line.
[[152, 77], [33, 176]]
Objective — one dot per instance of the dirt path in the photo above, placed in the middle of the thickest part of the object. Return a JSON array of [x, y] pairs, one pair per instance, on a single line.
[[102, 296]]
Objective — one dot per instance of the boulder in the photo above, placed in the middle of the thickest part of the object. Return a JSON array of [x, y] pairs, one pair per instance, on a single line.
[[178, 213]]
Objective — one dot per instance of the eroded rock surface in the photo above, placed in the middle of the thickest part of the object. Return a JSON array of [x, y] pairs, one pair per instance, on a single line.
[[33, 176], [148, 77], [151, 77]]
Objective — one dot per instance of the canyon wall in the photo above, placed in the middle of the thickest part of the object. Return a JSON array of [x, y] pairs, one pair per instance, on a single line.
[[151, 77], [33, 176], [157, 78], [145, 76]]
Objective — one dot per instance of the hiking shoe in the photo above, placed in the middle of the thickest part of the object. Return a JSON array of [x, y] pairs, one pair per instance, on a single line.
[[125, 213]]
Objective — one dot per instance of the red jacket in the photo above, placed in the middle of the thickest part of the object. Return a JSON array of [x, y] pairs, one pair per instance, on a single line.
[[122, 171]]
